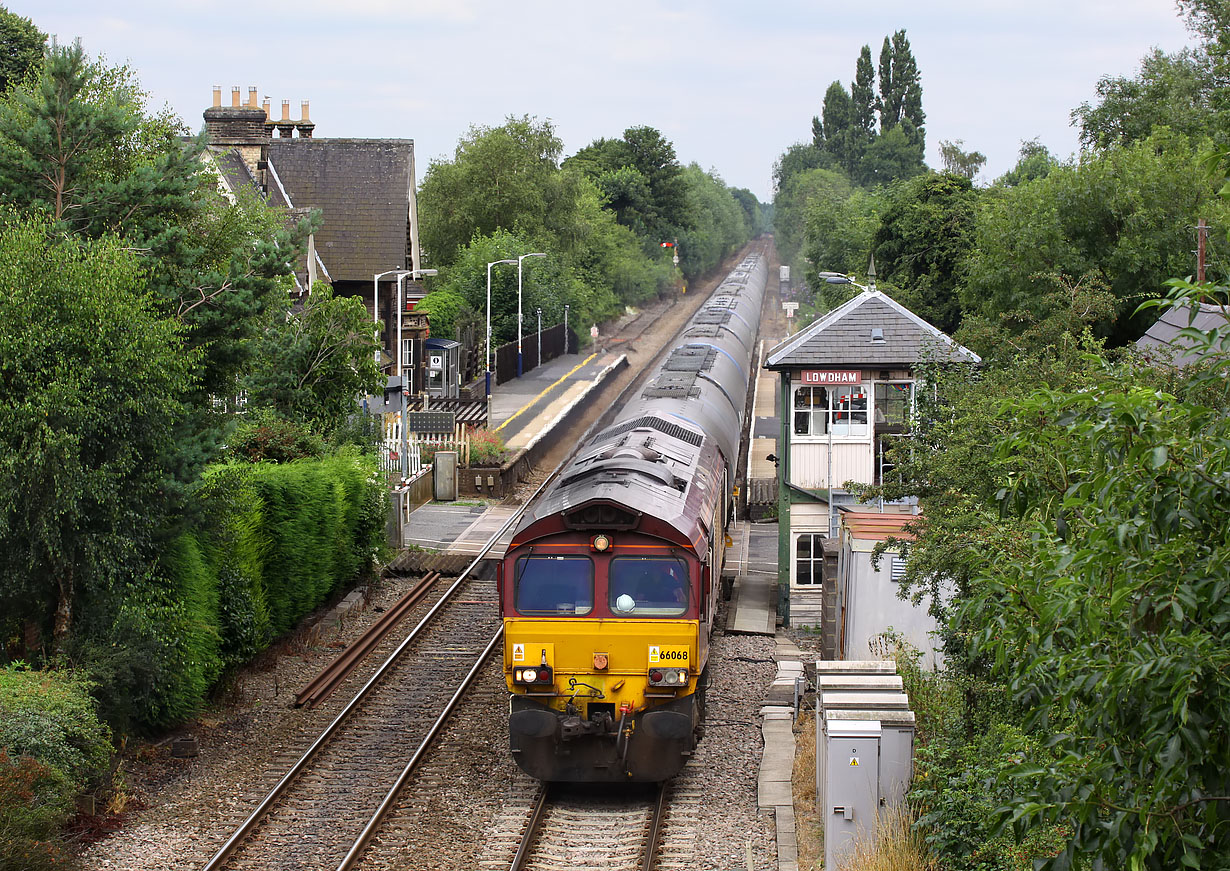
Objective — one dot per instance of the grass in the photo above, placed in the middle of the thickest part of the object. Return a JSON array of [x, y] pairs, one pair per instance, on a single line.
[[898, 846]]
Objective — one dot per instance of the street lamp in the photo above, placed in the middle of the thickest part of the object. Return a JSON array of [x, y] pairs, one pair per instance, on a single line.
[[520, 331], [376, 302], [489, 265]]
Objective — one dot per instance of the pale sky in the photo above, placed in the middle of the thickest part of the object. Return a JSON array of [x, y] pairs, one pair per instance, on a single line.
[[731, 84]]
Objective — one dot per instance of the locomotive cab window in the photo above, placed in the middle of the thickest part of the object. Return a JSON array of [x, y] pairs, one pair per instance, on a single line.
[[552, 586], [648, 586]]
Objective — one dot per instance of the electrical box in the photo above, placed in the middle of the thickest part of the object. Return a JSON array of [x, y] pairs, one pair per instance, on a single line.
[[444, 470], [851, 786], [896, 749], [877, 682]]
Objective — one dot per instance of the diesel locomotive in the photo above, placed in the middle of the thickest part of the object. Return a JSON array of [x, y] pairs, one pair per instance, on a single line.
[[609, 585]]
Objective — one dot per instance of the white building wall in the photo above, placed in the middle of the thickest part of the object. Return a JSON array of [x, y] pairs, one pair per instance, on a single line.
[[809, 463], [872, 606]]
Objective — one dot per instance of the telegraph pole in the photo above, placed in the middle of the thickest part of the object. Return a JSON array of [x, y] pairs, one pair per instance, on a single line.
[[1202, 235]]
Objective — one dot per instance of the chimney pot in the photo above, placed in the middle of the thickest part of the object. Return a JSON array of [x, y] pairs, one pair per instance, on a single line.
[[286, 110], [217, 96], [235, 96], [252, 97], [305, 111], [265, 106]]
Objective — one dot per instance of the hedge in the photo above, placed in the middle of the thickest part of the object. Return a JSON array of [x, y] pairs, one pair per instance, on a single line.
[[274, 541]]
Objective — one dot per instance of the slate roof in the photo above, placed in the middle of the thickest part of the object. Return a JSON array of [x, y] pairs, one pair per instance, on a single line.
[[363, 189], [1165, 332], [843, 337], [234, 171]]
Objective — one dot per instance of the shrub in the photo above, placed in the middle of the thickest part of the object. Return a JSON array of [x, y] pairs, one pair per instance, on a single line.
[[486, 448], [50, 716], [35, 800], [265, 437], [52, 747]]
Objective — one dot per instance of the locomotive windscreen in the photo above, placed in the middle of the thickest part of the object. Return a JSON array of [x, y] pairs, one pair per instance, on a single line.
[[648, 586], [554, 585]]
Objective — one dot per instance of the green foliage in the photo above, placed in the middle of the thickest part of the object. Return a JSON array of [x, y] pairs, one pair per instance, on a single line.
[[262, 436], [841, 224], [1171, 90], [92, 379], [1122, 600], [959, 788], [52, 747], [34, 801], [320, 524], [78, 145], [313, 362], [957, 161], [900, 101], [500, 178], [21, 48], [1123, 214], [447, 311], [1034, 161], [49, 715], [925, 232], [718, 227]]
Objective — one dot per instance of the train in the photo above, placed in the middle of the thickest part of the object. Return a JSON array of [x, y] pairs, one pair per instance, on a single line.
[[610, 584]]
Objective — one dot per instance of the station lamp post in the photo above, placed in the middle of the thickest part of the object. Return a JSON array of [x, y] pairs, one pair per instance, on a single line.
[[489, 265], [520, 331]]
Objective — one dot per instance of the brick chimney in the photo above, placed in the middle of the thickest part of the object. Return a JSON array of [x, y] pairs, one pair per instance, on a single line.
[[241, 127], [286, 127], [305, 125]]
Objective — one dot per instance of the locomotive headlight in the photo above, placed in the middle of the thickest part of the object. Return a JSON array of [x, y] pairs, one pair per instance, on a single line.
[[600, 543]]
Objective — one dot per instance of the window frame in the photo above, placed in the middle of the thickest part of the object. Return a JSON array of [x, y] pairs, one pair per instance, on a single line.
[[828, 416], [815, 560]]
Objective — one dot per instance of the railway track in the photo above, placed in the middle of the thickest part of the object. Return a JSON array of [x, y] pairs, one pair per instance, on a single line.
[[611, 829], [314, 817]]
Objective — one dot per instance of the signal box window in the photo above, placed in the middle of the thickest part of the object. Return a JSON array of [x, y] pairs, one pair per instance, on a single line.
[[837, 411], [551, 586], [894, 403], [648, 586]]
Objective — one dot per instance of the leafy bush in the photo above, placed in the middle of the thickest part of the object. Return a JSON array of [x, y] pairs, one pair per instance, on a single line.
[[272, 541], [960, 788], [35, 800], [486, 448], [52, 746], [265, 437], [50, 716]]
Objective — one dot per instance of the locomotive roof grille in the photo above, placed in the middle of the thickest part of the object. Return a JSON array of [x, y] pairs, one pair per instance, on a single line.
[[665, 427]]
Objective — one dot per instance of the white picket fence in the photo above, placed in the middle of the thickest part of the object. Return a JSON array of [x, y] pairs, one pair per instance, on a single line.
[[418, 445]]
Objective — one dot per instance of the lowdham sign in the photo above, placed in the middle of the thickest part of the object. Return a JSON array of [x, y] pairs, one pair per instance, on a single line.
[[831, 376]]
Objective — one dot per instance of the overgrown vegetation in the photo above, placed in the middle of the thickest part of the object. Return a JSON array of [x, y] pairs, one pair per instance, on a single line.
[[52, 747]]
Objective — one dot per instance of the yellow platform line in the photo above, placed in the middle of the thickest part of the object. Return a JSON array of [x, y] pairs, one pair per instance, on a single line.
[[545, 391]]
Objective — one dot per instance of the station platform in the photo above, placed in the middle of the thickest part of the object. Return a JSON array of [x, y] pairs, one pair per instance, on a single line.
[[752, 559], [525, 409]]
